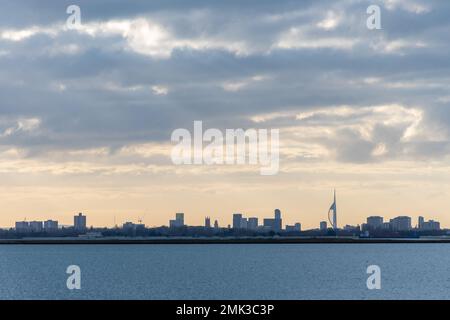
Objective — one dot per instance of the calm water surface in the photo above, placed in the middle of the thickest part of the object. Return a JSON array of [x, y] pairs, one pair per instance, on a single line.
[[226, 271]]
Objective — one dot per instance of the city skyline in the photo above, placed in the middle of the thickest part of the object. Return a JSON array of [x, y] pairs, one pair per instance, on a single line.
[[373, 221]]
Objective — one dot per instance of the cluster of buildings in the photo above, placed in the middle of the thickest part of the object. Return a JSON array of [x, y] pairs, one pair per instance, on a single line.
[[401, 223], [208, 223], [79, 224], [178, 222], [269, 224], [373, 223], [242, 223], [130, 226]]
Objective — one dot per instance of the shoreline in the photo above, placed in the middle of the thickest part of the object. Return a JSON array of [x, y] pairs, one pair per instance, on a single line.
[[280, 240]]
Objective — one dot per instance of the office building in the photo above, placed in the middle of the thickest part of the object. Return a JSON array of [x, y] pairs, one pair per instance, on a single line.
[[79, 222], [216, 224], [237, 218], [244, 223], [252, 223], [268, 223], [277, 221], [429, 225], [36, 226], [50, 225], [402, 223], [323, 225], [179, 218], [374, 222], [207, 222], [22, 226], [421, 220], [178, 222]]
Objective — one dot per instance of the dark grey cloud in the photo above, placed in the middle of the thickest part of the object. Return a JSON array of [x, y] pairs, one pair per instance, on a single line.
[[96, 91]]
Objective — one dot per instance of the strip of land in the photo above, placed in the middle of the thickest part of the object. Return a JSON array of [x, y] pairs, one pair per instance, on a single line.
[[228, 240]]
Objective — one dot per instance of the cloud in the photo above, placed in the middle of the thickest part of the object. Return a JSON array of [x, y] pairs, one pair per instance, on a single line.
[[238, 85], [23, 34], [331, 21], [132, 74], [18, 126], [160, 90], [358, 134], [410, 6]]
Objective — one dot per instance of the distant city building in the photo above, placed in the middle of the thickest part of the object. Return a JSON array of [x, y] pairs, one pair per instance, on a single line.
[[50, 225], [420, 221], [277, 221], [332, 214], [374, 222], [268, 223], [178, 222], [274, 224], [296, 227], [402, 223], [36, 226], [216, 224], [429, 225], [207, 222], [130, 226], [350, 228], [252, 223], [22, 226], [179, 218], [244, 223], [79, 222], [237, 219], [323, 226]]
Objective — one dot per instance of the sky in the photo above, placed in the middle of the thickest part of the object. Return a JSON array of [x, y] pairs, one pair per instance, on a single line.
[[86, 114]]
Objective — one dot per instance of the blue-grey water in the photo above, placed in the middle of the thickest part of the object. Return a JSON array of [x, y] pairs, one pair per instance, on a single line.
[[226, 271]]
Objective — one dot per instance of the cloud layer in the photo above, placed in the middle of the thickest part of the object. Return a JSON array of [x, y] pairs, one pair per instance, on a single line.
[[104, 98]]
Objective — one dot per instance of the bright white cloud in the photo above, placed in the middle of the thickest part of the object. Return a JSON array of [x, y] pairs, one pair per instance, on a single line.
[[160, 90], [20, 125], [331, 21], [22, 34], [297, 38]]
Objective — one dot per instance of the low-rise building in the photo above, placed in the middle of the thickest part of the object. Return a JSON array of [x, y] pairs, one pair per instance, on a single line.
[[294, 228]]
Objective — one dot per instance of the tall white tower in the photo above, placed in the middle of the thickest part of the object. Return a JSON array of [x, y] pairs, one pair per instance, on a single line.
[[333, 208]]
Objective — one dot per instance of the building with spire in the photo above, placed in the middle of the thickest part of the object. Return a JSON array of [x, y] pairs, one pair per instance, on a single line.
[[333, 211]]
